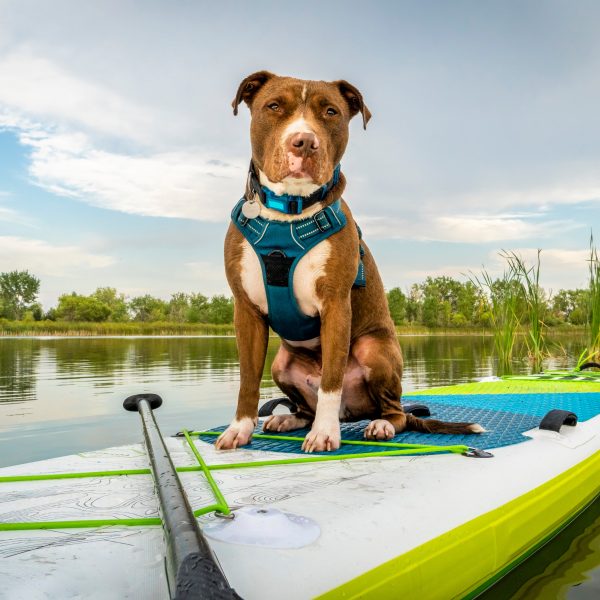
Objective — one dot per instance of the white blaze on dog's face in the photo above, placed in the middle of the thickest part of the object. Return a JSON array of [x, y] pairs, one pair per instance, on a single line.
[[299, 129]]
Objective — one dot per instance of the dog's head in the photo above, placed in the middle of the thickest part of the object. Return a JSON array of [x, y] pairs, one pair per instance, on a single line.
[[299, 128]]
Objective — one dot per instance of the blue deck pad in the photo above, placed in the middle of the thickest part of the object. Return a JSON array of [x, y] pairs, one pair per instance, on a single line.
[[504, 416], [584, 405]]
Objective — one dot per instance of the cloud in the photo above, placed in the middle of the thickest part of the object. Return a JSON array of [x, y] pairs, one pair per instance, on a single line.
[[72, 126], [44, 258], [92, 141], [459, 272], [559, 267], [567, 188], [491, 228], [209, 275], [176, 184], [470, 229], [556, 257], [9, 215], [188, 184], [33, 86]]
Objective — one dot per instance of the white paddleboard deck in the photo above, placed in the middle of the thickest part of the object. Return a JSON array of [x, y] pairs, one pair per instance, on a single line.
[[369, 511]]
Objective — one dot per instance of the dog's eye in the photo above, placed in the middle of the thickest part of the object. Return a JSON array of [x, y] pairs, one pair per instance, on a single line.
[[331, 111], [273, 106]]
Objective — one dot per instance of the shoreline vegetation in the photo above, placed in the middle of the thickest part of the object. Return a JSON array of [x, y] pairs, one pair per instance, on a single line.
[[505, 308], [46, 328]]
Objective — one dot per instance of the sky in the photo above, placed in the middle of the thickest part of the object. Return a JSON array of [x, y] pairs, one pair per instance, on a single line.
[[120, 158]]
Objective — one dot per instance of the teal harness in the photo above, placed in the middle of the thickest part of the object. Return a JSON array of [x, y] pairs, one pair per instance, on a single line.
[[279, 246]]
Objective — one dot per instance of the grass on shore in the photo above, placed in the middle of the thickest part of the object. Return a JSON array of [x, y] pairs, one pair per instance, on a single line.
[[61, 328]]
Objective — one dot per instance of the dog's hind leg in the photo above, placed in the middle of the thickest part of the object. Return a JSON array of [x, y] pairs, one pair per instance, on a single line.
[[298, 378], [288, 422], [381, 360]]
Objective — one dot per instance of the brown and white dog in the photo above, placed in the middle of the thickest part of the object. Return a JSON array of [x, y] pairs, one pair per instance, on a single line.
[[353, 370]]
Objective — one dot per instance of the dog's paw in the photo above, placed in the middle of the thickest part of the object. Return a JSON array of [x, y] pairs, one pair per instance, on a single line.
[[379, 429], [239, 433], [284, 423], [322, 437]]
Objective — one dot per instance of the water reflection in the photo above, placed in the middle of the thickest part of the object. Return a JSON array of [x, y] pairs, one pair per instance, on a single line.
[[19, 363], [79, 383], [114, 358], [567, 567]]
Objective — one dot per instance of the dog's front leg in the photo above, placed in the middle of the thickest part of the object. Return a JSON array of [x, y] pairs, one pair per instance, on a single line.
[[336, 317], [252, 336]]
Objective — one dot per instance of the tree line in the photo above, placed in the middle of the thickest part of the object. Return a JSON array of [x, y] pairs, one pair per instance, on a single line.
[[18, 302], [436, 302], [446, 302]]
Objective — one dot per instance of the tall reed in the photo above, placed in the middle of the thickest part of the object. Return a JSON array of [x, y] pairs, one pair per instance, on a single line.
[[535, 302], [594, 306], [503, 295]]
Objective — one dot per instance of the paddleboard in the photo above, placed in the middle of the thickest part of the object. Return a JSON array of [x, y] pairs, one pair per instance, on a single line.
[[425, 522]]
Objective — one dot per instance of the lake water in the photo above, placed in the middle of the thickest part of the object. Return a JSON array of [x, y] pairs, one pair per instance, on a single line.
[[64, 395]]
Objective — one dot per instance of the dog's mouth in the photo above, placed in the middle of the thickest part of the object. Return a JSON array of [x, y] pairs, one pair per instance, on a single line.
[[306, 169], [299, 167], [310, 172]]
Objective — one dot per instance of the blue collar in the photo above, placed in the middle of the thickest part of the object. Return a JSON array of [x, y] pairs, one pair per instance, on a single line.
[[286, 203]]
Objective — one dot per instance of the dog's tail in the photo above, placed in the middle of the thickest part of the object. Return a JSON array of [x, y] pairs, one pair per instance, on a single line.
[[434, 426]]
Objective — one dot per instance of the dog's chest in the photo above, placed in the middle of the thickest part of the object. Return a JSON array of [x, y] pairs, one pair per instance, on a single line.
[[308, 270]]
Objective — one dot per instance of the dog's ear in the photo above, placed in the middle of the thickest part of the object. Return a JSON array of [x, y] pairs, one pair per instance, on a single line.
[[249, 87], [355, 100]]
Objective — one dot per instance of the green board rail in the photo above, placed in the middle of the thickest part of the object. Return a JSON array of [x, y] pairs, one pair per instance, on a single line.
[[220, 505]]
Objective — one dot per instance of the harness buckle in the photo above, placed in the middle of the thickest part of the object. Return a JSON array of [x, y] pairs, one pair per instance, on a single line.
[[295, 205], [322, 221]]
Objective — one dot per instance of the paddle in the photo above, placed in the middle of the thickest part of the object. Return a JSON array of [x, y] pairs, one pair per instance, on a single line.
[[192, 569]]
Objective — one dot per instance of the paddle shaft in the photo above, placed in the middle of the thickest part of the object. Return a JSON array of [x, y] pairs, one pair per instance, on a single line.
[[192, 569]]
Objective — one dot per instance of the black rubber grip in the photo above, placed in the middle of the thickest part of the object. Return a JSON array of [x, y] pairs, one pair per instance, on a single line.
[[589, 365], [270, 405], [555, 419], [131, 403], [416, 409]]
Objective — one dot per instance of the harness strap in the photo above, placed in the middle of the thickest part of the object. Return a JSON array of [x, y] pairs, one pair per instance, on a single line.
[[300, 231], [279, 246]]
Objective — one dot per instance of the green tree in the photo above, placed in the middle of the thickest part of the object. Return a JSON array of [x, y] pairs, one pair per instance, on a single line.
[[414, 304], [437, 295], [115, 301], [220, 310], [431, 310], [148, 308], [397, 305], [179, 307], [571, 306], [469, 302], [198, 310], [73, 307], [18, 290]]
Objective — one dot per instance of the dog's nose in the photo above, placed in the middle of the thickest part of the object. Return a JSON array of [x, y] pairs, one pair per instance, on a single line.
[[303, 144]]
